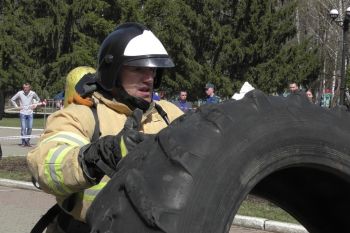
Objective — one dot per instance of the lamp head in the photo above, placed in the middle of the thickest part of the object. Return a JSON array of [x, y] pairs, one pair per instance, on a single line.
[[334, 13]]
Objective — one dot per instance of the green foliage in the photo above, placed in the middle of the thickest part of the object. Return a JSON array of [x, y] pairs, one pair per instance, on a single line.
[[257, 207], [45, 39], [264, 52], [13, 121], [16, 64], [293, 63], [218, 41]]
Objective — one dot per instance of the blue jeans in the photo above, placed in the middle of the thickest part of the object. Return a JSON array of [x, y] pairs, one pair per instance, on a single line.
[[26, 127]]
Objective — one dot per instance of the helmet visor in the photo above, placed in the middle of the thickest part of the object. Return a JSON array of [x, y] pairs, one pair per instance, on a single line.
[[157, 62]]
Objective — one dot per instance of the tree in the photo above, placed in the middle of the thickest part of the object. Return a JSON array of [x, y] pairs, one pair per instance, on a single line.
[[68, 34], [16, 65], [229, 42], [218, 41], [50, 38], [265, 50], [314, 20]]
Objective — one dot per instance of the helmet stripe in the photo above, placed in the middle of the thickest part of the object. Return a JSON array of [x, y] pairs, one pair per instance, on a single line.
[[145, 44]]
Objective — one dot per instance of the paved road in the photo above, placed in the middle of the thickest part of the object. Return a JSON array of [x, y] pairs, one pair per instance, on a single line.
[[21, 208], [11, 147]]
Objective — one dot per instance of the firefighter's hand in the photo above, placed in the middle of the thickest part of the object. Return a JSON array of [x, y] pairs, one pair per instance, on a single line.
[[102, 156], [130, 135]]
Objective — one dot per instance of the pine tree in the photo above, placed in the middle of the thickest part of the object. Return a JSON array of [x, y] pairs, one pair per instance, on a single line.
[[68, 34], [218, 41], [192, 34], [229, 42], [265, 53], [16, 64]]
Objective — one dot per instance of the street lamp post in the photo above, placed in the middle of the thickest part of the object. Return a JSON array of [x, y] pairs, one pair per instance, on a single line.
[[344, 23]]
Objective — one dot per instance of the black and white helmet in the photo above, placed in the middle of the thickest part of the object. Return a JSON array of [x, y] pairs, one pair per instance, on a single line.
[[130, 44]]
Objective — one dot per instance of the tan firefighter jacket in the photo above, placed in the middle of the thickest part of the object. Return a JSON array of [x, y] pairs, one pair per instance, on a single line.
[[54, 162]]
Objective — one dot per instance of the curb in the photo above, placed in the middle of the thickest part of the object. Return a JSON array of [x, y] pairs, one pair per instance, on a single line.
[[10, 127], [239, 220], [268, 225], [18, 184]]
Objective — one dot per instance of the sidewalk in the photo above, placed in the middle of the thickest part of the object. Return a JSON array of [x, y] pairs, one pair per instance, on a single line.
[[10, 141], [239, 220]]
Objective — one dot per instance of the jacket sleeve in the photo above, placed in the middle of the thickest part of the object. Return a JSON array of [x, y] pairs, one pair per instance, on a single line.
[[54, 162]]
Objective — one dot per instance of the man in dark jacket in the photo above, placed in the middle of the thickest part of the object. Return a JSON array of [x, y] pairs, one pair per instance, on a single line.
[[182, 102], [210, 92]]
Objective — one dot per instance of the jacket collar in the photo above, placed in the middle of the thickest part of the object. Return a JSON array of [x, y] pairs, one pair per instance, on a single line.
[[120, 107]]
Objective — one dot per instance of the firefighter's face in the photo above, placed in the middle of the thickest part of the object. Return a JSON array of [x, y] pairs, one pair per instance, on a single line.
[[138, 81]]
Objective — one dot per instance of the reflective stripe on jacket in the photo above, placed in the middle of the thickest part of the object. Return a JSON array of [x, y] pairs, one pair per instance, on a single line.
[[54, 162]]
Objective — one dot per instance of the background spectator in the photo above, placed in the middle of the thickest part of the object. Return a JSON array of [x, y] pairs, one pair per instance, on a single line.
[[310, 96], [162, 95], [293, 87], [155, 96], [182, 102], [59, 98], [26, 106], [210, 92]]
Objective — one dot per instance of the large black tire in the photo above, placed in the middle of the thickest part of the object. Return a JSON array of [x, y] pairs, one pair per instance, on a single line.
[[193, 176]]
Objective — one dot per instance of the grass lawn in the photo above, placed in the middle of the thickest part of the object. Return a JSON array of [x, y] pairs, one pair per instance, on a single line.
[[16, 168], [38, 123], [257, 207]]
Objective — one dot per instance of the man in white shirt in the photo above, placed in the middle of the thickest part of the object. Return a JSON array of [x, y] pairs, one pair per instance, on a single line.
[[26, 106]]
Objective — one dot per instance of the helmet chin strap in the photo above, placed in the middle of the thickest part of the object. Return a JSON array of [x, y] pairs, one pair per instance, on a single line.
[[135, 102], [132, 102]]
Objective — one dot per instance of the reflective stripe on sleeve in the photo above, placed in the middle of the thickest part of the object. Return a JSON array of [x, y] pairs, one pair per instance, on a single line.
[[90, 193], [123, 149], [67, 137], [53, 169]]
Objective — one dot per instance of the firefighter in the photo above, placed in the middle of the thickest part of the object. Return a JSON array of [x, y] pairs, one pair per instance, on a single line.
[[112, 112], [72, 79]]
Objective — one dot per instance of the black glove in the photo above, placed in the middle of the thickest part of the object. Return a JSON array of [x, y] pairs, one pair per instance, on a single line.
[[102, 156]]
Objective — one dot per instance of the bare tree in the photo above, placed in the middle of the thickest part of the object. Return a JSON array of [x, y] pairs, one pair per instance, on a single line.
[[313, 21]]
